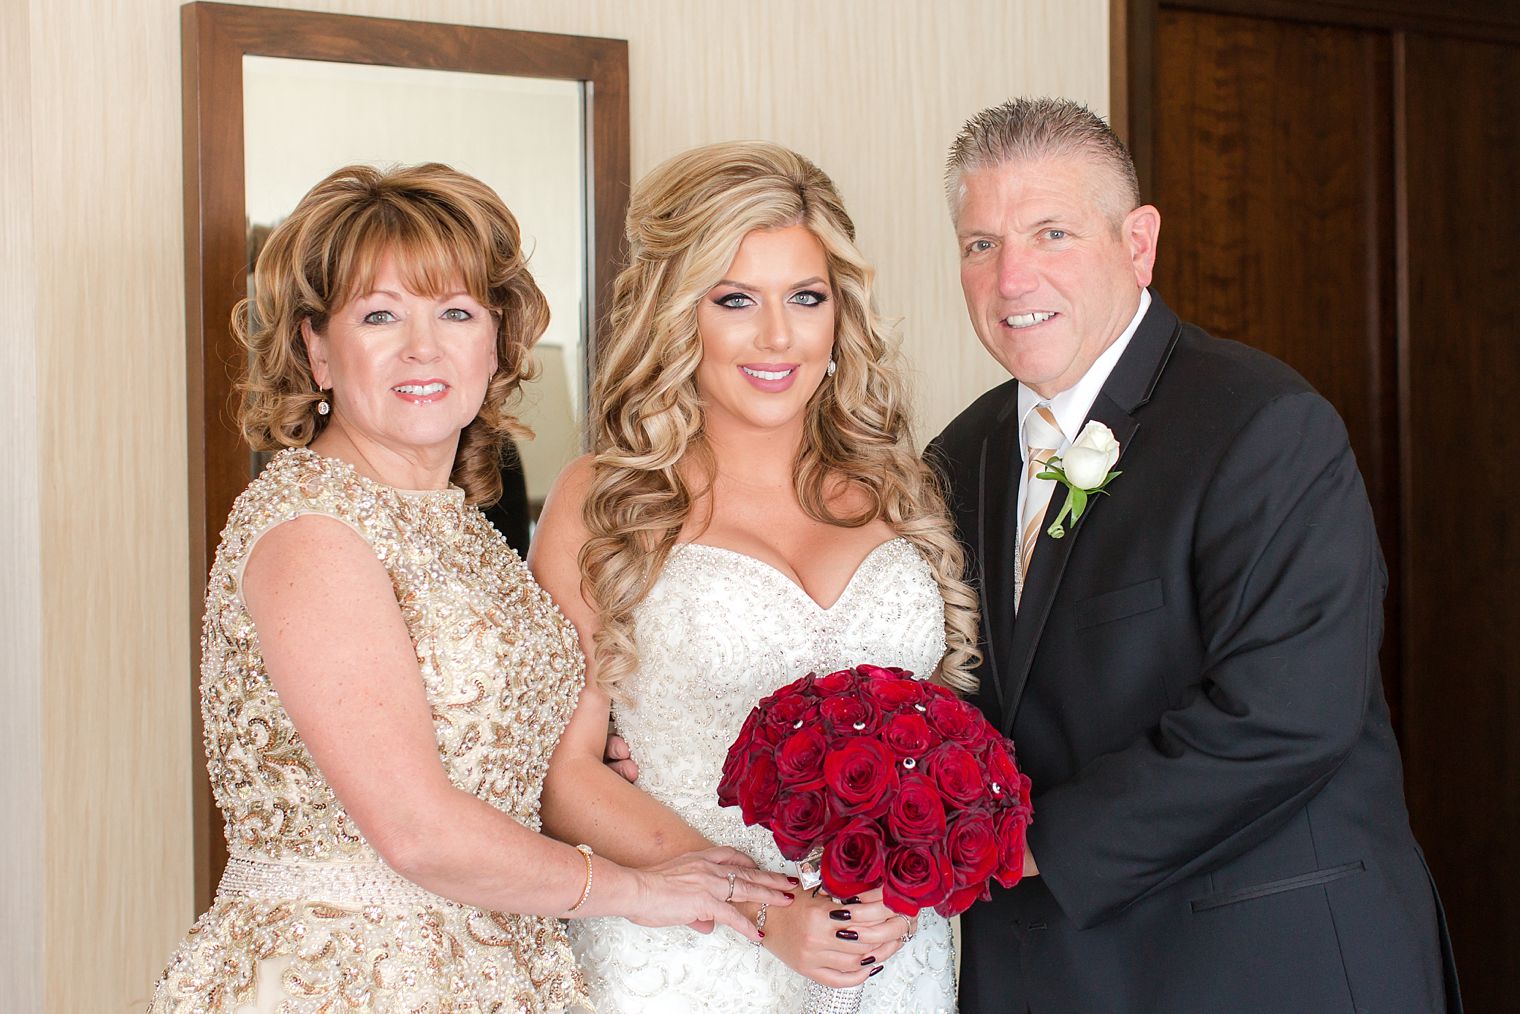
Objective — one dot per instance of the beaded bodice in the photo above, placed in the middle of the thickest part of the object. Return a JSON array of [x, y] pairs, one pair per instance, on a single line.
[[308, 919], [501, 666], [720, 630]]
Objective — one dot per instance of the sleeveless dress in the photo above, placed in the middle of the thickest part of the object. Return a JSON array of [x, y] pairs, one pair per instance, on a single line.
[[308, 918], [718, 631]]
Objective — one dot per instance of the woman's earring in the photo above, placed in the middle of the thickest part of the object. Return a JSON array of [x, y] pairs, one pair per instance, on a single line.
[[323, 408], [833, 366]]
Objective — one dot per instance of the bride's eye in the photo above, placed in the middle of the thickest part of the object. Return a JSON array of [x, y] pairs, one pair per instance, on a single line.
[[735, 301], [810, 297]]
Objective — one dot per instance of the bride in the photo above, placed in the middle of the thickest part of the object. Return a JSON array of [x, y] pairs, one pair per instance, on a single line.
[[752, 510]]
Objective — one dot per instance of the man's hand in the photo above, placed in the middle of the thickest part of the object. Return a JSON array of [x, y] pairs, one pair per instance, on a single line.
[[617, 756]]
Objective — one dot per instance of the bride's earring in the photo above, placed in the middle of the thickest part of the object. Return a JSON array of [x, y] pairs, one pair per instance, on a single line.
[[323, 407], [832, 369]]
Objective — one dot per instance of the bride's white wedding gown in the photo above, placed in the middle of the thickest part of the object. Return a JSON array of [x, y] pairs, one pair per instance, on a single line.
[[718, 631]]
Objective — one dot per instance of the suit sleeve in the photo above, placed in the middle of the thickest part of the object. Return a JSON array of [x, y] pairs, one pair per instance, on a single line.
[[1289, 583]]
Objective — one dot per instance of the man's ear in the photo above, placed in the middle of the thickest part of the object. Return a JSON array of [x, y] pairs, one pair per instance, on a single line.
[[316, 354], [1141, 229]]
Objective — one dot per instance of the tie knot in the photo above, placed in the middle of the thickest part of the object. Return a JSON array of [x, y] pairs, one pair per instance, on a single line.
[[1042, 434]]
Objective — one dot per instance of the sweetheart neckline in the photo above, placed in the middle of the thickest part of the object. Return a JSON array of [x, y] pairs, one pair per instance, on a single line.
[[798, 588]]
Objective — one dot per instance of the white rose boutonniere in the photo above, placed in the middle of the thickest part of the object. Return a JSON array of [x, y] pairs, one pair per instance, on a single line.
[[1084, 471]]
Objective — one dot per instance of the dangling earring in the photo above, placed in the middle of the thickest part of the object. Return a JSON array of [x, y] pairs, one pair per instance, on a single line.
[[323, 407], [833, 366]]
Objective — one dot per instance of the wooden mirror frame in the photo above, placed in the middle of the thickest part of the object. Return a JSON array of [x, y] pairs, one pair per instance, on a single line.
[[214, 39]]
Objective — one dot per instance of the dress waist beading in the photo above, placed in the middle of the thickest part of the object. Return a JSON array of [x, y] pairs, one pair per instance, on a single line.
[[357, 884]]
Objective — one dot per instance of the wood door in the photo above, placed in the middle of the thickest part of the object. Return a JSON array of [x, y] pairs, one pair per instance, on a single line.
[[1273, 170], [1461, 729], [1343, 195]]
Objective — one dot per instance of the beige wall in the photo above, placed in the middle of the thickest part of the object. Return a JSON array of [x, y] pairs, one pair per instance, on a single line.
[[95, 758], [21, 904]]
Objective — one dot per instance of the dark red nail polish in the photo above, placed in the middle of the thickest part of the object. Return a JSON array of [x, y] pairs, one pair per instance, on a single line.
[[847, 934], [788, 895], [868, 961], [762, 934], [793, 881], [853, 901], [839, 914], [875, 970]]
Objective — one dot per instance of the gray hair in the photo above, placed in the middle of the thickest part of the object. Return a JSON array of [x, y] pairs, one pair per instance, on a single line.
[[1029, 129]]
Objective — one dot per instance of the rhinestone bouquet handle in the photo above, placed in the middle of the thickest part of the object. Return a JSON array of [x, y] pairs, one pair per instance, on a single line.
[[821, 999]]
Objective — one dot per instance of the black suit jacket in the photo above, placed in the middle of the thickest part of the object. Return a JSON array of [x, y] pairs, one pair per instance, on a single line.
[[1192, 684]]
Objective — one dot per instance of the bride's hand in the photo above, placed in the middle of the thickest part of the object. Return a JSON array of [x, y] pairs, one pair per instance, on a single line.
[[699, 889], [837, 944]]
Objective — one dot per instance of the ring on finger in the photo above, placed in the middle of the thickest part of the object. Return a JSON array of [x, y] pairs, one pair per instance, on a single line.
[[907, 928], [730, 895]]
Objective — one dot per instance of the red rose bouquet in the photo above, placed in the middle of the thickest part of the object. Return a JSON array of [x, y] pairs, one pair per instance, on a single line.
[[881, 780]]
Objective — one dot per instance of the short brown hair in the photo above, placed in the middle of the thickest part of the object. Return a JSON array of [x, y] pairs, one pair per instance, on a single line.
[[1029, 129], [440, 225]]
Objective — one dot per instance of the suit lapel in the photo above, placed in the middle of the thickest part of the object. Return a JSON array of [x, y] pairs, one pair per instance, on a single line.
[[1128, 388], [997, 524]]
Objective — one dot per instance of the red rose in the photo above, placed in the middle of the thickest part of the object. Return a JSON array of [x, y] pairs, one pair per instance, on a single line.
[[799, 759], [917, 813], [909, 735], [757, 790], [833, 683], [801, 819], [893, 692], [962, 899], [787, 714], [733, 770], [956, 774], [918, 876], [860, 774], [1010, 839], [1003, 775], [973, 848], [957, 720], [853, 860], [849, 714], [738, 760]]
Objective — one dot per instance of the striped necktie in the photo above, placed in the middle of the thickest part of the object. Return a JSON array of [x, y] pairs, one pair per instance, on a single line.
[[1042, 440]]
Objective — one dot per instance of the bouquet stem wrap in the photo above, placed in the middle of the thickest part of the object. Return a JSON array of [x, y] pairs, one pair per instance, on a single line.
[[823, 999]]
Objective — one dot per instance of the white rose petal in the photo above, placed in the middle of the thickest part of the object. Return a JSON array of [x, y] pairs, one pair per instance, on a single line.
[[1087, 462]]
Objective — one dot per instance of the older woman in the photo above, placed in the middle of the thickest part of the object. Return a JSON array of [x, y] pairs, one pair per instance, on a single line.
[[753, 509], [382, 681]]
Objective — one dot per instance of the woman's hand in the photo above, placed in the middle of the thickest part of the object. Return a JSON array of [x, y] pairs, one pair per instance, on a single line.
[[699, 889], [839, 944]]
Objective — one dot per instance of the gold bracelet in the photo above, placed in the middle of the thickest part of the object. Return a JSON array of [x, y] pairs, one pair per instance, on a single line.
[[584, 850]]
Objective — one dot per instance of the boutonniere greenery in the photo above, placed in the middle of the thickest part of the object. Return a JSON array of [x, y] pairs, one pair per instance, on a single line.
[[1084, 471]]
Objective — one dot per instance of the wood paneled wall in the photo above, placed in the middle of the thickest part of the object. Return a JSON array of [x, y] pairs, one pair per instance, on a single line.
[[1461, 455], [1337, 186], [872, 89]]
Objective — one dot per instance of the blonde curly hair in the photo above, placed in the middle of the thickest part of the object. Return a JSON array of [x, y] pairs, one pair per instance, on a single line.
[[686, 220], [442, 227]]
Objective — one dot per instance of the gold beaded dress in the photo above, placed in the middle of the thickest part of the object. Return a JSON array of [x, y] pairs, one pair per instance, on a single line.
[[308, 918]]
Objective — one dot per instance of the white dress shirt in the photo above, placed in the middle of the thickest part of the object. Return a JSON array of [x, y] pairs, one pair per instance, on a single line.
[[1071, 406]]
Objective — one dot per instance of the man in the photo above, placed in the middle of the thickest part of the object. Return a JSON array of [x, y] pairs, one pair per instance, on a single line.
[[1190, 672]]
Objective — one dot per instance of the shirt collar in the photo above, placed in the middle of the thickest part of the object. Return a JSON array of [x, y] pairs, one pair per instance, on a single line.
[[1072, 406]]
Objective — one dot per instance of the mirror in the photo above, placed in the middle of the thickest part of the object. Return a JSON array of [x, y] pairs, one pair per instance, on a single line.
[[274, 100], [522, 136]]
